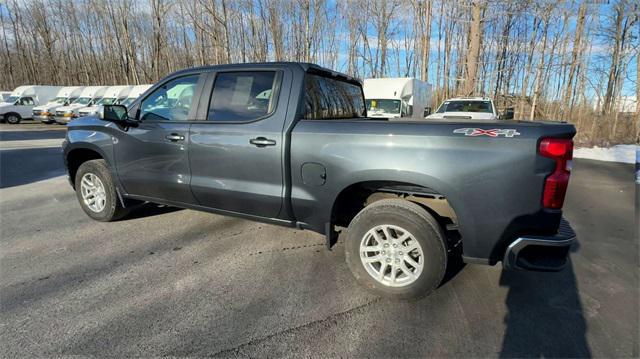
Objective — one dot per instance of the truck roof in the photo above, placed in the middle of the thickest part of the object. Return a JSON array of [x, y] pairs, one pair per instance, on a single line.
[[304, 66], [117, 91], [69, 91], [93, 91]]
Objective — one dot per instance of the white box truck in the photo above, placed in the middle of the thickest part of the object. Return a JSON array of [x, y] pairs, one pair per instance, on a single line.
[[397, 97], [89, 96], [20, 103], [65, 96], [113, 96], [136, 92]]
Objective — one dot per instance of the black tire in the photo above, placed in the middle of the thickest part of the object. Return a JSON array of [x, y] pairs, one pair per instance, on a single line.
[[113, 209], [12, 118], [424, 228]]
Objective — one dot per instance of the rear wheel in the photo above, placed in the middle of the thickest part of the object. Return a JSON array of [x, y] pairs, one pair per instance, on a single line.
[[396, 249], [13, 118], [96, 192]]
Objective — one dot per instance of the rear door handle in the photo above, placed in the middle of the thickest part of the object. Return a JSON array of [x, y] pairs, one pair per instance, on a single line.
[[262, 142], [174, 137]]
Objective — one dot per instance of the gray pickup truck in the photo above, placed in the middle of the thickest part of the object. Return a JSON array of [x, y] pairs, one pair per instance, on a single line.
[[291, 144]]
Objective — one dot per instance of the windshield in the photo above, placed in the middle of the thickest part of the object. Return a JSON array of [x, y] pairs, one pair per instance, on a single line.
[[387, 106], [105, 101], [127, 101], [119, 101], [58, 100], [82, 100], [466, 106], [12, 99]]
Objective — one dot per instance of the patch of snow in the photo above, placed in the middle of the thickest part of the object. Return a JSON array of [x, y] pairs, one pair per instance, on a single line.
[[618, 153]]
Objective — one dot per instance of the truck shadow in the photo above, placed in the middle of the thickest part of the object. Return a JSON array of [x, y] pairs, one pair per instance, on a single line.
[[149, 210], [545, 316], [24, 166]]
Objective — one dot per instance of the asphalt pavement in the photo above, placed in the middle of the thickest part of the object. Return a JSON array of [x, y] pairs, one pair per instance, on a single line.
[[183, 283]]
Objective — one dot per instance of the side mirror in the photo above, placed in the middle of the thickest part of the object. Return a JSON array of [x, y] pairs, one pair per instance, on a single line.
[[507, 114], [115, 113]]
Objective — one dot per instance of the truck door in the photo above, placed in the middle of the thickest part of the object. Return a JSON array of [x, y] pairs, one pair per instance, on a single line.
[[25, 107], [236, 154], [152, 159]]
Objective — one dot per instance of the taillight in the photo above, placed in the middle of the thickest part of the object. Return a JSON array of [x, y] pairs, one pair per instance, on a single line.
[[555, 186]]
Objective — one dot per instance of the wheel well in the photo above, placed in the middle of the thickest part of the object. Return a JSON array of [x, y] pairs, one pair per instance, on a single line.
[[12, 113], [357, 196], [77, 157]]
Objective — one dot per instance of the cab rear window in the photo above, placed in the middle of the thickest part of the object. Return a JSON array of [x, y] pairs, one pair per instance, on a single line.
[[327, 98]]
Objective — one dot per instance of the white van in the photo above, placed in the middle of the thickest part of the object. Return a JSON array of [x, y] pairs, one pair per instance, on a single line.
[[113, 96], [89, 96], [20, 103], [397, 97], [65, 96], [136, 91]]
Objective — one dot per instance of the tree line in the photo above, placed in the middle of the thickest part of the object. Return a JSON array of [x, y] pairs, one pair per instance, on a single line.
[[562, 60]]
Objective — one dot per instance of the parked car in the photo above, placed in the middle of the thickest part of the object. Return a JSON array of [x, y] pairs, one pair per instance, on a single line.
[[290, 144], [397, 97], [4, 95], [113, 96], [19, 105], [89, 96], [45, 113], [470, 108], [135, 92]]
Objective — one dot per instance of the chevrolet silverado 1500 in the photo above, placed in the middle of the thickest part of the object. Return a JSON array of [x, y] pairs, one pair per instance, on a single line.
[[290, 144]]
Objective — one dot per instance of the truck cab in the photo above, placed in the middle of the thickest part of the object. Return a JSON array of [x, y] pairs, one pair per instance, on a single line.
[[397, 97], [113, 96], [88, 96], [45, 113], [19, 105]]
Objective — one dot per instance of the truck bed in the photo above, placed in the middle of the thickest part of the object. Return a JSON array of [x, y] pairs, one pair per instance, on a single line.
[[494, 184]]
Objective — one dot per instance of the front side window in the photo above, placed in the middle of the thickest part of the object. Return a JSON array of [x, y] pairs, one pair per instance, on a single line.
[[327, 98], [242, 96], [171, 101], [26, 101]]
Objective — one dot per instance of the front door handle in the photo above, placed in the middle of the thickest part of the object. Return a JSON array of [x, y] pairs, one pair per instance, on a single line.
[[262, 142], [174, 137]]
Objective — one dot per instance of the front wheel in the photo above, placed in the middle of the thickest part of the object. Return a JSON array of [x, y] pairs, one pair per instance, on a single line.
[[13, 118], [96, 192], [396, 249]]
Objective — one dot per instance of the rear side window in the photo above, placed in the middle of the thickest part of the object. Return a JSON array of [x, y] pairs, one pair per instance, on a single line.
[[327, 98], [242, 96]]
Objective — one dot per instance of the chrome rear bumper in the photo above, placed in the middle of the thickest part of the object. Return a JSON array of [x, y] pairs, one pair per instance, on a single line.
[[541, 253]]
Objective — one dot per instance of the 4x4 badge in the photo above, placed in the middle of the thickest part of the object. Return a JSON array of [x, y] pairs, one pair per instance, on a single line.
[[473, 132]]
